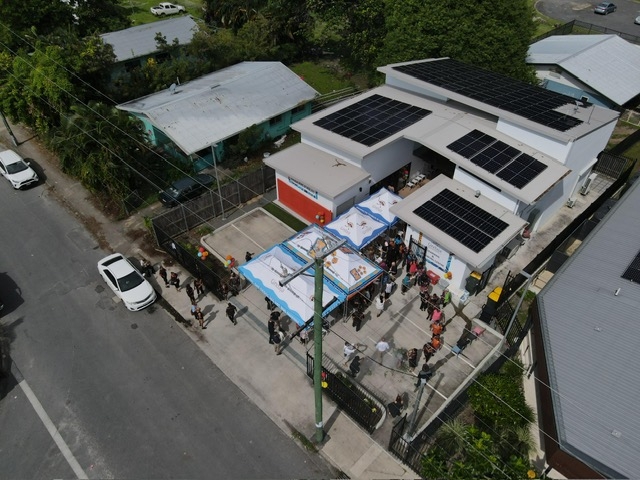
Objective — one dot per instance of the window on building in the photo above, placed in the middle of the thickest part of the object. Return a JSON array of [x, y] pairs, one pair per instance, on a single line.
[[275, 120], [298, 109], [162, 57], [131, 65]]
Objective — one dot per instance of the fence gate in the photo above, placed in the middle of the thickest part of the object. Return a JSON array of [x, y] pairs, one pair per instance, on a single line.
[[350, 396]]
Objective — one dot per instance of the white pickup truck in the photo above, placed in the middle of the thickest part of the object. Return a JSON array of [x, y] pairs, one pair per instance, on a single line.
[[166, 8]]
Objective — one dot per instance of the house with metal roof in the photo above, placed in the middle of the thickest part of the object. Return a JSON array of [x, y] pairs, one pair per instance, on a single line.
[[202, 119], [453, 139], [586, 322], [599, 69], [134, 46]]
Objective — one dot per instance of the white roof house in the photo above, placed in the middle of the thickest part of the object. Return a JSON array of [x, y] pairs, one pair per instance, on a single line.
[[605, 64], [511, 152], [214, 107], [139, 41], [587, 326]]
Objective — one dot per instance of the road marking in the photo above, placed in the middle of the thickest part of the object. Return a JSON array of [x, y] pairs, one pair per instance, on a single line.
[[53, 431]]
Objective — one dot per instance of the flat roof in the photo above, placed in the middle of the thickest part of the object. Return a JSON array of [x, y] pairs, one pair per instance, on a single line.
[[591, 117], [606, 63], [444, 125], [138, 41], [405, 211], [326, 173], [307, 128], [590, 336], [218, 105]]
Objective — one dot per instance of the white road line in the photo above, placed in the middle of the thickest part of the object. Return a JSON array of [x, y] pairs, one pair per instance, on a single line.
[[53, 431]]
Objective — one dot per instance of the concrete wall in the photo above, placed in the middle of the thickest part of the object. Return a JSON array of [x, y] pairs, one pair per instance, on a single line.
[[486, 190]]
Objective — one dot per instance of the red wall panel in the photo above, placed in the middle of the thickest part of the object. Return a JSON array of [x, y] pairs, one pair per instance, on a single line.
[[300, 203]]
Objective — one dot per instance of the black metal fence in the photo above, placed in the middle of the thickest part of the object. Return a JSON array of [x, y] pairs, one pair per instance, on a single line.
[[195, 212], [351, 397], [168, 226], [576, 27], [205, 270]]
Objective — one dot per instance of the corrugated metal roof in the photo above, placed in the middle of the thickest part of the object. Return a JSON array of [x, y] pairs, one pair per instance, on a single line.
[[607, 63], [221, 104], [138, 41], [591, 344]]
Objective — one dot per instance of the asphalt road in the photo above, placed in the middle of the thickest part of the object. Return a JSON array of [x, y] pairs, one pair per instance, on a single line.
[[125, 395], [621, 20]]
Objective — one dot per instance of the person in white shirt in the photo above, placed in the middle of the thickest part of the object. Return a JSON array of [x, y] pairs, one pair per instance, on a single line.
[[348, 351], [381, 347], [380, 304]]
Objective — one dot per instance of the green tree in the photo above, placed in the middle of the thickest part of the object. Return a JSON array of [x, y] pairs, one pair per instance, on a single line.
[[100, 16], [492, 35], [361, 25], [104, 148], [19, 19]]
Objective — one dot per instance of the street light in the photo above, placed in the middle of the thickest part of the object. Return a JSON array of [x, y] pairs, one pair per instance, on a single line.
[[215, 168], [319, 252]]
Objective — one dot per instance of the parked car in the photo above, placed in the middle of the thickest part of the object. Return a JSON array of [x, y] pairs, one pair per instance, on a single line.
[[16, 170], [185, 189], [166, 8], [605, 8], [126, 282], [637, 20]]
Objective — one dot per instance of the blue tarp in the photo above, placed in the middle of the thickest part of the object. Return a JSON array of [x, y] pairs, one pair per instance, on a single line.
[[345, 267], [378, 205], [357, 227], [296, 299]]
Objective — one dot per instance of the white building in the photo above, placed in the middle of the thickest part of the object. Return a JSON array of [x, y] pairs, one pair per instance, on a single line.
[[515, 151]]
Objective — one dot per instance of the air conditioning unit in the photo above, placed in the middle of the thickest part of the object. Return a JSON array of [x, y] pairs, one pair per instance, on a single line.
[[586, 186], [571, 202]]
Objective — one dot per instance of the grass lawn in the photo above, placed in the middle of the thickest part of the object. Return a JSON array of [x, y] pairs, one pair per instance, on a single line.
[[324, 76], [285, 217], [140, 13]]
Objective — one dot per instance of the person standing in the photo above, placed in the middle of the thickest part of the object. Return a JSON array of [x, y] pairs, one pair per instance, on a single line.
[[190, 293], [437, 315], [357, 316], [412, 357], [163, 274], [393, 271], [198, 284], [174, 280], [147, 268], [224, 290], [406, 284], [424, 375], [348, 350], [194, 308], [273, 325], [270, 304], [200, 317], [395, 408], [231, 313], [380, 304], [354, 368], [427, 352], [381, 347], [388, 288], [248, 256]]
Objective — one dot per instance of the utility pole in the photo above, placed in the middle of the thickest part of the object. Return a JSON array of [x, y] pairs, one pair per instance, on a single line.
[[215, 168], [331, 245], [6, 124]]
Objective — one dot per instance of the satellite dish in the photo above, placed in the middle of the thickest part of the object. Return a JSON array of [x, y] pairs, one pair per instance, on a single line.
[[172, 88]]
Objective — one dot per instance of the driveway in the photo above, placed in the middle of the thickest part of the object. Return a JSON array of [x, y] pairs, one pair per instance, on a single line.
[[621, 20]]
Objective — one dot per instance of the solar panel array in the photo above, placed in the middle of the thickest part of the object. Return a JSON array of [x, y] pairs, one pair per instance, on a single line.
[[532, 102], [470, 225], [372, 119], [498, 158], [633, 270]]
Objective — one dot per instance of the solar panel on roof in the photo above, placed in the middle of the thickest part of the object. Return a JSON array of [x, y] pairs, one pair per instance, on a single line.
[[532, 102], [467, 223], [498, 158], [632, 272], [372, 119]]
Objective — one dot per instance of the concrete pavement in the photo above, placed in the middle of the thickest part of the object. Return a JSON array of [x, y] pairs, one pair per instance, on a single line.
[[277, 384]]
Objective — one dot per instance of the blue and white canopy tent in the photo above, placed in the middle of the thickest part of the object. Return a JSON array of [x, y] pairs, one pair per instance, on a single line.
[[378, 205], [345, 267], [356, 227], [296, 298]]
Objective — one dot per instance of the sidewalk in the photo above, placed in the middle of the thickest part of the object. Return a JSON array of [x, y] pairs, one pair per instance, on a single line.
[[276, 384]]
